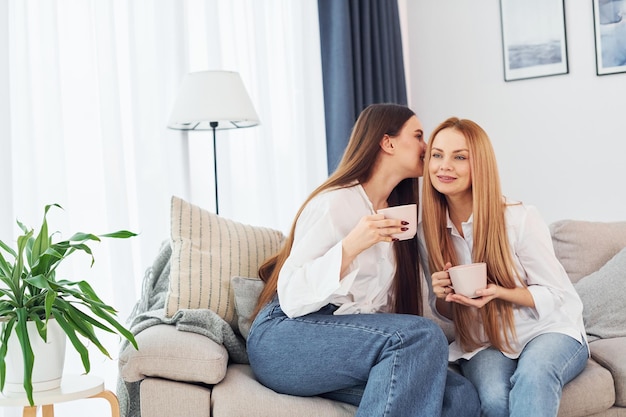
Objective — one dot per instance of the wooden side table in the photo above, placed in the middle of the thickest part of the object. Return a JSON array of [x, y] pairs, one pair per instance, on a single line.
[[73, 387]]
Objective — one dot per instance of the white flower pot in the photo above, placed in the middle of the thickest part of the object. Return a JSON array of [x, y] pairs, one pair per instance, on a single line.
[[49, 359]]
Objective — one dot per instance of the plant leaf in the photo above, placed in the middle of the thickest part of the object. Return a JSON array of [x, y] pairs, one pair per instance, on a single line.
[[42, 241], [121, 329], [7, 309], [88, 290], [7, 327], [18, 268], [39, 281], [120, 234], [86, 297], [71, 334], [7, 249], [50, 297], [22, 227], [8, 292], [83, 326], [27, 352], [83, 237], [40, 325]]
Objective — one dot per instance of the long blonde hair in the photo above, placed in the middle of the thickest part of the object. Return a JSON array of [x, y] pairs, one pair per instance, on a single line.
[[491, 244], [356, 164]]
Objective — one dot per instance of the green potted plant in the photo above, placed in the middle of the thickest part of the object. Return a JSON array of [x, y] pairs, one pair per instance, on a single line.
[[31, 292]]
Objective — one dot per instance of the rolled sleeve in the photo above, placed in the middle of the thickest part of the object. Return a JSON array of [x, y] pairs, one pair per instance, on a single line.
[[545, 277], [544, 300], [303, 289]]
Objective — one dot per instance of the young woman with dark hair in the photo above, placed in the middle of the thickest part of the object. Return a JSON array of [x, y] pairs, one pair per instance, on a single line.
[[339, 316]]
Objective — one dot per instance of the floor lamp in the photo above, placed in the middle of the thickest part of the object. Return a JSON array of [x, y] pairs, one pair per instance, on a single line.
[[212, 100]]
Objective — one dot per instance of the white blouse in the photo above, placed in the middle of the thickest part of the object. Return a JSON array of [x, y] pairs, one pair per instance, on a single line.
[[310, 277], [558, 307]]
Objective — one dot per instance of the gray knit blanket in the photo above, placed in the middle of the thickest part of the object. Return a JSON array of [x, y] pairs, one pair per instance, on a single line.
[[149, 311]]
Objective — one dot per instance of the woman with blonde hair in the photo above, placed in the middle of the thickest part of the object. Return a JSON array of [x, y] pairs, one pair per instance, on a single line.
[[522, 338], [339, 316]]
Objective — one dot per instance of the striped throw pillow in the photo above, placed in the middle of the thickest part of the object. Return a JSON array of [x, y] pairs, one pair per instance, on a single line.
[[207, 251]]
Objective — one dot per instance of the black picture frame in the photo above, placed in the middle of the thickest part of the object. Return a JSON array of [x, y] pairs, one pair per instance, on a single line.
[[609, 26], [534, 41]]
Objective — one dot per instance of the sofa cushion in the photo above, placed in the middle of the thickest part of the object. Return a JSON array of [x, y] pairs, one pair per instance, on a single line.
[[165, 352], [590, 393], [605, 316], [161, 397], [247, 291], [583, 247], [240, 394], [610, 354], [207, 251]]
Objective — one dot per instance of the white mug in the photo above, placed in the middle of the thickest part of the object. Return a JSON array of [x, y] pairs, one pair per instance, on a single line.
[[408, 213], [466, 279]]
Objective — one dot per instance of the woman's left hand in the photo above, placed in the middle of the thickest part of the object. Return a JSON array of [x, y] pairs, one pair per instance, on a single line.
[[485, 296]]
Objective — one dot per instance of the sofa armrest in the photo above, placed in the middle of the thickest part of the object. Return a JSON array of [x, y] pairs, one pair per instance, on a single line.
[[610, 354], [166, 352]]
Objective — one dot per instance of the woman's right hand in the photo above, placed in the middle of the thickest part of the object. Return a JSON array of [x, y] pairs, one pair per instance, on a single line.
[[370, 230]]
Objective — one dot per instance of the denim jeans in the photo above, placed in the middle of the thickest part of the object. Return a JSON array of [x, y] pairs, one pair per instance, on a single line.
[[388, 364], [530, 385]]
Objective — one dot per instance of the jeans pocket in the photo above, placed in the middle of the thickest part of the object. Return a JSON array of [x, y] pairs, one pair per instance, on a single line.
[[275, 311]]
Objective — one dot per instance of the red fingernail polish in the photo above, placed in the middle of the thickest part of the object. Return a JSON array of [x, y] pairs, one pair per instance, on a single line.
[[405, 223], [404, 229]]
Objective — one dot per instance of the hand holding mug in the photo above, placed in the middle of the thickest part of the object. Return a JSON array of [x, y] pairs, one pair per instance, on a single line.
[[441, 282], [406, 213]]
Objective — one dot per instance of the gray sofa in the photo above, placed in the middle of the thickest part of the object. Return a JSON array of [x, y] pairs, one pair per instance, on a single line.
[[187, 374]]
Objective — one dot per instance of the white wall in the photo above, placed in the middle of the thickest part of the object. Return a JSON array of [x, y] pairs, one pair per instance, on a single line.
[[560, 140]]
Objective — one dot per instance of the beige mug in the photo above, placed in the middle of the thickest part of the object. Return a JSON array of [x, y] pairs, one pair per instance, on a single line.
[[466, 279], [408, 213]]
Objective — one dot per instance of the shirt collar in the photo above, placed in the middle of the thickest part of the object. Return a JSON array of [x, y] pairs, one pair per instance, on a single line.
[[465, 225]]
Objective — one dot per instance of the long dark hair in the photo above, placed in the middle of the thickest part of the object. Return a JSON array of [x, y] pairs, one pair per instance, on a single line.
[[356, 164]]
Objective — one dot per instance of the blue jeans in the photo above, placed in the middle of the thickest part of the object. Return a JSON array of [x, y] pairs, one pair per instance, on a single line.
[[530, 385], [388, 364]]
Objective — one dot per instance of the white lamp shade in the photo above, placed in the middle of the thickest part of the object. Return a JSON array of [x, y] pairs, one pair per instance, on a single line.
[[212, 96]]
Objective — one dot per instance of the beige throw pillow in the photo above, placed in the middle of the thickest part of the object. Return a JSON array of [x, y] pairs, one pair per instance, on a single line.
[[584, 246], [207, 251]]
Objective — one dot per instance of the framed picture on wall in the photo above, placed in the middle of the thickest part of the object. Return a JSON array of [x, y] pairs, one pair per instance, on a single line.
[[533, 38], [609, 22]]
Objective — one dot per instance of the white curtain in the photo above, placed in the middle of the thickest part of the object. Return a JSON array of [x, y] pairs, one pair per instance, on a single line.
[[89, 88], [86, 87]]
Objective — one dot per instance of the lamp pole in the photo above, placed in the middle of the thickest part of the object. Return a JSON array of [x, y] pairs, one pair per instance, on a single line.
[[214, 127]]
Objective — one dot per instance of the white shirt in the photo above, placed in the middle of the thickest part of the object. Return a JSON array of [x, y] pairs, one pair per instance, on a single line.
[[310, 277], [558, 307]]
